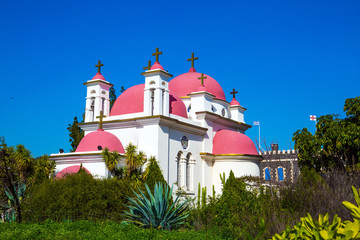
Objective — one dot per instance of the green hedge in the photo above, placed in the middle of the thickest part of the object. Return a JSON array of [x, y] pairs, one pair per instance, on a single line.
[[77, 197], [93, 230]]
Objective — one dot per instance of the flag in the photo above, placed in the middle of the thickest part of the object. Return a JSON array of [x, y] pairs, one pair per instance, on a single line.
[[256, 123], [312, 118]]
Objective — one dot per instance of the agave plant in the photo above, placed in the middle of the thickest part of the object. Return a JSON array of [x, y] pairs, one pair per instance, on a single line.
[[156, 210]]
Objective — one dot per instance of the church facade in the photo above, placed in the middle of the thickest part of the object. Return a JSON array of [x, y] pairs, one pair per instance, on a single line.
[[186, 123]]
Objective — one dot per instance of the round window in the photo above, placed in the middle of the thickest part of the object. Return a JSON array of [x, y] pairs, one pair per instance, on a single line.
[[184, 142]]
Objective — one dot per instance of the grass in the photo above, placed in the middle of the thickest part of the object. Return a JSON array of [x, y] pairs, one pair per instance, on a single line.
[[93, 230]]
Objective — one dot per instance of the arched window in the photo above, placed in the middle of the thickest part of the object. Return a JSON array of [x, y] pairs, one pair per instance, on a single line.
[[280, 174], [267, 175], [178, 168]]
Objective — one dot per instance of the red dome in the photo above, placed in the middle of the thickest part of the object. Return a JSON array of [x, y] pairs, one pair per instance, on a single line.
[[70, 170], [156, 66], [98, 76], [132, 101], [234, 102], [231, 142], [188, 82], [100, 138]]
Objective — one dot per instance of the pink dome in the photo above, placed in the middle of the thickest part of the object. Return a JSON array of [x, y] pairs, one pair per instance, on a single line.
[[188, 82], [231, 142], [98, 76], [132, 101], [100, 138], [234, 102], [70, 170], [156, 66]]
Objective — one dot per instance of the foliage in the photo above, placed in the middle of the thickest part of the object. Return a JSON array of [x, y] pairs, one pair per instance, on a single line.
[[19, 169], [153, 173], [323, 228], [336, 143], [77, 196], [134, 161], [155, 211], [75, 133], [112, 96], [50, 230], [112, 160]]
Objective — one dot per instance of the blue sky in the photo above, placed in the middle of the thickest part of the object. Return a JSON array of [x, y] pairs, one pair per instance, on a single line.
[[287, 59]]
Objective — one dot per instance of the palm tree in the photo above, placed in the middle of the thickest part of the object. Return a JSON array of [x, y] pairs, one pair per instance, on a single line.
[[134, 161], [111, 160], [24, 161]]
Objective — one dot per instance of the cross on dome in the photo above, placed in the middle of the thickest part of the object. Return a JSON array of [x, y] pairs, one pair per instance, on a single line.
[[148, 67], [192, 59], [234, 92], [99, 65], [101, 119], [156, 54], [202, 79]]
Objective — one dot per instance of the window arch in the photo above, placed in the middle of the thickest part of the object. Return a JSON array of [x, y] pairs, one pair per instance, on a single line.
[[178, 168], [267, 175], [93, 91], [280, 173], [190, 172]]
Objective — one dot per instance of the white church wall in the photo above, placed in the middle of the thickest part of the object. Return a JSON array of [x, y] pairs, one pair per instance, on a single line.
[[193, 148], [240, 168]]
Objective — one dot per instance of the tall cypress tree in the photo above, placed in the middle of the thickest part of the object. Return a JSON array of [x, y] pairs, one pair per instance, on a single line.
[[112, 96], [75, 133]]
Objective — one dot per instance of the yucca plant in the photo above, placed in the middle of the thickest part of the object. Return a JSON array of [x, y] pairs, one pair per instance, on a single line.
[[156, 211]]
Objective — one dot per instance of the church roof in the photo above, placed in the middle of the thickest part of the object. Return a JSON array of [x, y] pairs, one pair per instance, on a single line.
[[132, 101], [231, 142], [98, 76], [100, 138], [189, 82], [70, 170]]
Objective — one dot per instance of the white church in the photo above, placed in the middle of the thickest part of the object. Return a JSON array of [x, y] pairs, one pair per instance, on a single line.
[[185, 122]]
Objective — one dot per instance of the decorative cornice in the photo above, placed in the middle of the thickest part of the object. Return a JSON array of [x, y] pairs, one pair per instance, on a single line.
[[97, 81], [201, 92], [153, 72], [222, 120], [225, 157], [148, 120]]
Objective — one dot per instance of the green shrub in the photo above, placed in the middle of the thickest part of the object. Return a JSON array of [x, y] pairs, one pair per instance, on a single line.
[[77, 196], [156, 210]]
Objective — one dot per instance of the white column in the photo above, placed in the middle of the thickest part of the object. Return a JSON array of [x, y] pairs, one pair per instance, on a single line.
[[147, 102], [183, 172], [158, 101], [88, 113], [166, 103]]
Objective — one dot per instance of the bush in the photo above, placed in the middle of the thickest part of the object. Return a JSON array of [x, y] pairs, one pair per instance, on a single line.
[[77, 196]]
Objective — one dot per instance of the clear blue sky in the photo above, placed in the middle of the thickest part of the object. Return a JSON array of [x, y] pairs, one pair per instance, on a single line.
[[287, 59]]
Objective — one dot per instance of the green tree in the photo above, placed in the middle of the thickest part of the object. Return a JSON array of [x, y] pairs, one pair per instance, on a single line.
[[336, 142], [75, 133], [153, 173], [112, 160], [18, 169], [112, 96]]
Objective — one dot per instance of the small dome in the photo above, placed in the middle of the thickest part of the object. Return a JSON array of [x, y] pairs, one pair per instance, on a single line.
[[70, 170], [234, 102], [156, 66], [231, 142], [188, 82], [98, 76], [100, 138], [132, 101]]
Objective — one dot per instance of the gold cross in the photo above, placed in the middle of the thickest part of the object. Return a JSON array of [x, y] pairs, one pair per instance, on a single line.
[[234, 92], [99, 65], [202, 79], [148, 66], [101, 119], [192, 59], [156, 54]]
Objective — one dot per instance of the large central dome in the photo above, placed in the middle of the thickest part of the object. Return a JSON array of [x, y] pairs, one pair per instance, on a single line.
[[189, 82], [132, 101]]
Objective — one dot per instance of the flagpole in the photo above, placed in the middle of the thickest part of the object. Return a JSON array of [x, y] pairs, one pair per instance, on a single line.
[[259, 137]]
